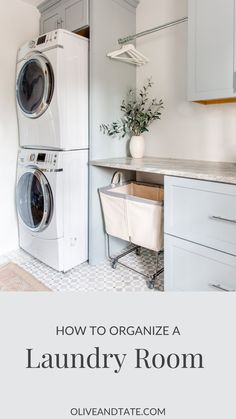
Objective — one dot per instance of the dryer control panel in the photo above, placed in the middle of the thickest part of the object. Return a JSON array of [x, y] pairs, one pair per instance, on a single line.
[[47, 38], [43, 40]]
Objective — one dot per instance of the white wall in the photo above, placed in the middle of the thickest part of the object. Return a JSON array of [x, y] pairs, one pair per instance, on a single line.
[[187, 130], [18, 23], [109, 82]]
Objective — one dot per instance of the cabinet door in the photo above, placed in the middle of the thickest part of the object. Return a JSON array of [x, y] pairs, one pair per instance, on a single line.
[[211, 33], [51, 20], [201, 212], [75, 14], [190, 267]]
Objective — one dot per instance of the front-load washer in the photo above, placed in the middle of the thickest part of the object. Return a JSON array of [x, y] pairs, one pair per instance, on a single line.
[[52, 206], [52, 92]]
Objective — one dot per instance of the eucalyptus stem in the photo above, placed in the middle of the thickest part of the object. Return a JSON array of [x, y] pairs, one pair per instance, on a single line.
[[139, 112]]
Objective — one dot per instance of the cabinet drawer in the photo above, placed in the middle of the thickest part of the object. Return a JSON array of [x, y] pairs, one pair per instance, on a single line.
[[202, 212], [191, 267]]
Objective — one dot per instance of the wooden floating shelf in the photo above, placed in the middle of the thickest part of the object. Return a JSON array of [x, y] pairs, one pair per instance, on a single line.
[[216, 101]]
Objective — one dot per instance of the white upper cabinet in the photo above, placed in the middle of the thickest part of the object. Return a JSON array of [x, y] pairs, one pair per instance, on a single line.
[[67, 14], [76, 14], [51, 20], [211, 50]]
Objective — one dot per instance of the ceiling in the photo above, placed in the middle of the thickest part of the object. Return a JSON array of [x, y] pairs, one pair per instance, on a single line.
[[33, 2]]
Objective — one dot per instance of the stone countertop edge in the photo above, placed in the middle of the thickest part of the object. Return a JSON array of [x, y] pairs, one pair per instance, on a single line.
[[221, 172]]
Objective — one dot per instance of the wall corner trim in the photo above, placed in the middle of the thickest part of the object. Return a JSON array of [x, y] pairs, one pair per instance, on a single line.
[[130, 5], [133, 3], [42, 7]]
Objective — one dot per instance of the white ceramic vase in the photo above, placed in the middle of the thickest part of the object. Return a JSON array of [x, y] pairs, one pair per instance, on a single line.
[[137, 146]]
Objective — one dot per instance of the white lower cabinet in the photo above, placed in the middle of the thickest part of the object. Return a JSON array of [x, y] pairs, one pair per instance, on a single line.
[[200, 235], [191, 267], [201, 212]]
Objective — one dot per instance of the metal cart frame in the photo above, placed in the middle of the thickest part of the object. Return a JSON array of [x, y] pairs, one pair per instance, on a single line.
[[150, 279], [115, 260]]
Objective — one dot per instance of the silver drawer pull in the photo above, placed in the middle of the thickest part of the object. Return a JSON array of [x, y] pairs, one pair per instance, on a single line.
[[228, 220], [220, 288]]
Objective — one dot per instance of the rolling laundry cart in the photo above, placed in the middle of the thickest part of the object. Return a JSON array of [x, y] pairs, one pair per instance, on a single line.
[[133, 212]]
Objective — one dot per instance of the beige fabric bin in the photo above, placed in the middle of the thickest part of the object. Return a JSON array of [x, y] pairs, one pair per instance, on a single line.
[[134, 212]]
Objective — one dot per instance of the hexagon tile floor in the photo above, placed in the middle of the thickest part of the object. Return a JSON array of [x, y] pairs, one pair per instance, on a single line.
[[86, 278]]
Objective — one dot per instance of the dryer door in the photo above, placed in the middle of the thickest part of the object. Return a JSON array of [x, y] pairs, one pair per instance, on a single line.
[[35, 84], [34, 200]]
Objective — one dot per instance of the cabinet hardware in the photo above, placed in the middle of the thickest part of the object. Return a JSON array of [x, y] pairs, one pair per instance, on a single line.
[[220, 288], [59, 23], [216, 218]]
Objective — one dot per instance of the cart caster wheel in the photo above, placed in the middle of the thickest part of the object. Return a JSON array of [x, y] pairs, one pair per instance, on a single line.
[[138, 251], [150, 285], [113, 264]]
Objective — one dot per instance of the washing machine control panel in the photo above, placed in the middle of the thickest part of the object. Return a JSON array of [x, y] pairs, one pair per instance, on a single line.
[[46, 161]]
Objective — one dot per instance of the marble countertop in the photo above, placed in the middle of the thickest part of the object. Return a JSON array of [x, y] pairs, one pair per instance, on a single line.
[[195, 169]]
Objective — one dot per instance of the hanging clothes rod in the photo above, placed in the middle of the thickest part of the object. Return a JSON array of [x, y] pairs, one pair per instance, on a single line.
[[130, 38]]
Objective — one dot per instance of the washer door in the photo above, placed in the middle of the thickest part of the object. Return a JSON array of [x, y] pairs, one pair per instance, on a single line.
[[34, 200], [35, 84]]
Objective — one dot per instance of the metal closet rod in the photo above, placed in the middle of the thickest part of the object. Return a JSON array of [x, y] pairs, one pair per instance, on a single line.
[[122, 41]]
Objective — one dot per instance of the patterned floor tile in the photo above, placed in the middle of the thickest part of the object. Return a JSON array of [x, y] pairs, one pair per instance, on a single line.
[[87, 278]]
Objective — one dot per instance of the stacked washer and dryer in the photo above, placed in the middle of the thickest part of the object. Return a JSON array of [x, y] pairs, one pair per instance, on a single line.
[[52, 172]]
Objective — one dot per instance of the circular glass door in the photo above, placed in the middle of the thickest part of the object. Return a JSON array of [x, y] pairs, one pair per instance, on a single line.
[[34, 88], [34, 200]]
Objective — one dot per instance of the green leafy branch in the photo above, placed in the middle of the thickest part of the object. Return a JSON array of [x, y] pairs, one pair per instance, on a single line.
[[138, 113]]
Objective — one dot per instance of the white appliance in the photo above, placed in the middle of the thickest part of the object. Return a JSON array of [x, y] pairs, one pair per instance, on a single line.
[[52, 92], [52, 206]]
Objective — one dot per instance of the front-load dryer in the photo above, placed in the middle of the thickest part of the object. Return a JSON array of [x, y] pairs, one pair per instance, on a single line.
[[52, 92], [52, 206]]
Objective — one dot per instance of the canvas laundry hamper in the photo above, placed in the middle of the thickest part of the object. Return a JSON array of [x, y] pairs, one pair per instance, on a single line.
[[134, 212]]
